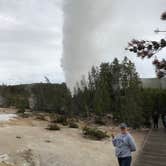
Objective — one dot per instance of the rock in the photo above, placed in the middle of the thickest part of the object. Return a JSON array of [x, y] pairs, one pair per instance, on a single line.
[[48, 141], [18, 137]]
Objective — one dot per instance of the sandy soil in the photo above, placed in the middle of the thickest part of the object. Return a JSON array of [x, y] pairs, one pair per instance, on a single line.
[[27, 141]]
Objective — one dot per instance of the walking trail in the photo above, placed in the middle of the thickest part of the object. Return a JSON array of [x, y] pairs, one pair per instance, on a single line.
[[154, 150]]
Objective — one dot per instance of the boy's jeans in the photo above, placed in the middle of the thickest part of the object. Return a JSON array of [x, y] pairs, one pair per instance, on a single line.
[[126, 161]]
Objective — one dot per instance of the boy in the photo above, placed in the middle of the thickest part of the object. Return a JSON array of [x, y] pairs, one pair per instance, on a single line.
[[125, 145]]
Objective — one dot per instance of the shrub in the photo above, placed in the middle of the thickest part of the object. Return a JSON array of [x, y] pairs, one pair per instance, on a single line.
[[99, 121], [21, 110], [73, 125], [65, 123], [94, 133], [53, 127], [53, 118], [62, 120], [23, 115], [41, 117]]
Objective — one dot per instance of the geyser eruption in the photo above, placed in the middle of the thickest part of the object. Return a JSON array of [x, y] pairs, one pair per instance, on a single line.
[[98, 30], [82, 18]]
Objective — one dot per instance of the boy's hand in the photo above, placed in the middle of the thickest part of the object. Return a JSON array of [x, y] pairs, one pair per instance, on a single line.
[[112, 135]]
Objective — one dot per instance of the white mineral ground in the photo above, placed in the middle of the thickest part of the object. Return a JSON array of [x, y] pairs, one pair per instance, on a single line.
[[27, 142], [7, 117]]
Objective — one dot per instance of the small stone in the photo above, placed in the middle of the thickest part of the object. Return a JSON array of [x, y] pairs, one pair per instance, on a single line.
[[47, 141], [18, 137]]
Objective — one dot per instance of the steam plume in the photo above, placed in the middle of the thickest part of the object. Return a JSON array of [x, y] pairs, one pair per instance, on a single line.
[[80, 52]]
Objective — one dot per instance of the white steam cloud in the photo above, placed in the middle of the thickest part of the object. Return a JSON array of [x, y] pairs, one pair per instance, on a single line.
[[98, 30]]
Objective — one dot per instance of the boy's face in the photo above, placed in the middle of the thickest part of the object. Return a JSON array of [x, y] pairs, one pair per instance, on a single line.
[[123, 130]]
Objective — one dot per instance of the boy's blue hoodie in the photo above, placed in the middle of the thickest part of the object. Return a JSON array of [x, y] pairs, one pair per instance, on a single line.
[[124, 144]]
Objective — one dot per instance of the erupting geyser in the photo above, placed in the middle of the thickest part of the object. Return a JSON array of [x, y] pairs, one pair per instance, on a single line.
[[82, 18]]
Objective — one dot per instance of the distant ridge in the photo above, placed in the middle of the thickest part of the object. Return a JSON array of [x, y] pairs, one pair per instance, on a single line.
[[147, 83], [154, 83]]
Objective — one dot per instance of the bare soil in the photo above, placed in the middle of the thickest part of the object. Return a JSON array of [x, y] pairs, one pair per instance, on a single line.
[[26, 142]]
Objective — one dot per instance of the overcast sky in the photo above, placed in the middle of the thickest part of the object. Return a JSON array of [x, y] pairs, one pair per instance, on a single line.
[[30, 41], [31, 36]]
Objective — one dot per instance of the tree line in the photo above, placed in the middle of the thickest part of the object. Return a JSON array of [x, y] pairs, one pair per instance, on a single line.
[[45, 97], [111, 88], [116, 88]]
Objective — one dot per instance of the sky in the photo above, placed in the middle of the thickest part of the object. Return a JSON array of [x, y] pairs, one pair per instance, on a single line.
[[30, 41], [32, 34]]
